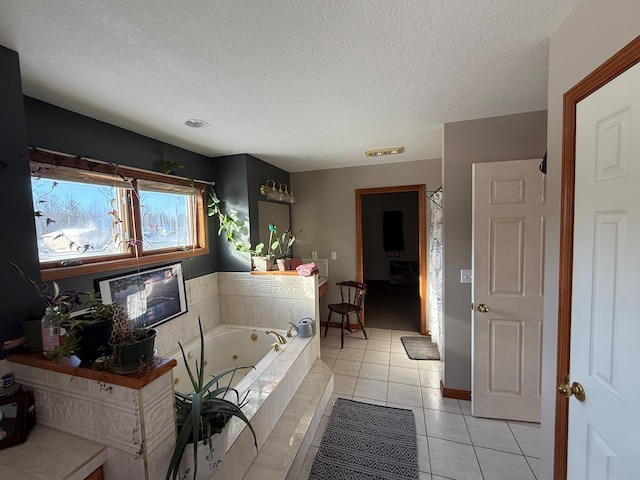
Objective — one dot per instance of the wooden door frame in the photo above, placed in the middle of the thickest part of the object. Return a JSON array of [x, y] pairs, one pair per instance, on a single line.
[[619, 63], [422, 240]]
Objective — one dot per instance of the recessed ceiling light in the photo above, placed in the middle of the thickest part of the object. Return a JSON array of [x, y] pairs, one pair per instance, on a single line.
[[196, 123], [384, 151]]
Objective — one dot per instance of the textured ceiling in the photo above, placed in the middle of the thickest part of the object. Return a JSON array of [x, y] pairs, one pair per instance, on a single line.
[[303, 85]]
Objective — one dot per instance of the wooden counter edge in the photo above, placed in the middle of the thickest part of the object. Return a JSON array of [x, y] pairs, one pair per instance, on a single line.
[[71, 366], [291, 273]]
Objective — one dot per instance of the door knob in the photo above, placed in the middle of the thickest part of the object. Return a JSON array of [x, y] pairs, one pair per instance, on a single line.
[[483, 308], [574, 389]]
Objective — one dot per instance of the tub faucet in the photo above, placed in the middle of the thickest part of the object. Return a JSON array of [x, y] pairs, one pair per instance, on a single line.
[[278, 335]]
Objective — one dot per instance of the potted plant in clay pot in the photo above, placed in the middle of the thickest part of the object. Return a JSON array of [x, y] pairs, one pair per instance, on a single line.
[[201, 416], [284, 245]]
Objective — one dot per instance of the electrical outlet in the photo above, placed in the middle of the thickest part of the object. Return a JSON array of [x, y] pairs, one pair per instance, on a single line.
[[334, 255], [314, 254]]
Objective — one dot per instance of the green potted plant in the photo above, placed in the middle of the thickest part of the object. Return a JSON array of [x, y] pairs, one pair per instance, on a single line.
[[265, 262], [57, 305], [92, 328], [132, 347], [261, 262], [284, 245], [202, 415]]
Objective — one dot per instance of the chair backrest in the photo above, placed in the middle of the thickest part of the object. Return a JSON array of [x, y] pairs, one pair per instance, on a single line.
[[352, 292]]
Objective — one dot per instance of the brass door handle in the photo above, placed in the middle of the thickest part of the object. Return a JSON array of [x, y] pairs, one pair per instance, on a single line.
[[482, 308], [574, 389]]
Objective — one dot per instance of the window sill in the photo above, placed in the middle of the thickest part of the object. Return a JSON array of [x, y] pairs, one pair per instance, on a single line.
[[55, 273]]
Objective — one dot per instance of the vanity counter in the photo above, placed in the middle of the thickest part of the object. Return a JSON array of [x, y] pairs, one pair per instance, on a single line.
[[54, 455]]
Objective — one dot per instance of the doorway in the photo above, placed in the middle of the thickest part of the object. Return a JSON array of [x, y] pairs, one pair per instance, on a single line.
[[399, 276]]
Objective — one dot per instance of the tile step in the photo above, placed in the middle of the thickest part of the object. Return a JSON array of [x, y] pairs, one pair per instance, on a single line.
[[282, 455]]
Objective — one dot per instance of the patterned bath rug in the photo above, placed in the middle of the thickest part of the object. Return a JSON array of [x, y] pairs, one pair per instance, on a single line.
[[367, 442], [420, 348]]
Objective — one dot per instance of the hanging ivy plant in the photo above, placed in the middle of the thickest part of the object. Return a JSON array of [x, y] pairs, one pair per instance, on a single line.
[[234, 230]]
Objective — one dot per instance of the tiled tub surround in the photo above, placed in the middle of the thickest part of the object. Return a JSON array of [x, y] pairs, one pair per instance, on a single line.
[[268, 301], [138, 425], [203, 303], [269, 396]]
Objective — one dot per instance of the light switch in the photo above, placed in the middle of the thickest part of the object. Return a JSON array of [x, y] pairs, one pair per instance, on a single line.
[[466, 276], [334, 255], [314, 254]]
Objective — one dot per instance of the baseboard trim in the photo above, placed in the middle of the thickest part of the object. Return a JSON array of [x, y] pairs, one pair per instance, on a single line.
[[454, 393]]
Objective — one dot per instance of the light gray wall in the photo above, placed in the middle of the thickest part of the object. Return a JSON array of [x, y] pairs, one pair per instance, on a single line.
[[592, 33], [376, 261], [510, 137], [325, 210]]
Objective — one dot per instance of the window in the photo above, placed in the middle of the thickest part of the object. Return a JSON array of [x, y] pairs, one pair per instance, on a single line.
[[93, 216]]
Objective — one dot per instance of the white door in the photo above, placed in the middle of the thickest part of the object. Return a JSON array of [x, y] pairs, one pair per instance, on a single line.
[[604, 429], [508, 249]]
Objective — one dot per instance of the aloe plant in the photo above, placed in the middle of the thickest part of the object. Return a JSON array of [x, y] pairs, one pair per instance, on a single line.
[[204, 411]]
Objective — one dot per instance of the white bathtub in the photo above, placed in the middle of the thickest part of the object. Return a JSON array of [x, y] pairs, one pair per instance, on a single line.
[[269, 387], [225, 347]]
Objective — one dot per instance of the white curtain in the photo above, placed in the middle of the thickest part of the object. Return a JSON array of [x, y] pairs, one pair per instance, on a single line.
[[435, 271]]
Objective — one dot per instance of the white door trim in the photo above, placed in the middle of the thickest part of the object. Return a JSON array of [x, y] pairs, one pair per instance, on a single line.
[[620, 62]]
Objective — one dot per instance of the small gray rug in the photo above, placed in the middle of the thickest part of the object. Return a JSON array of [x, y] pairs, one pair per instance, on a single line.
[[420, 348], [367, 442]]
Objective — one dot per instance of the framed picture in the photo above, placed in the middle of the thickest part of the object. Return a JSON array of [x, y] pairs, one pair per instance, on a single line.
[[149, 297]]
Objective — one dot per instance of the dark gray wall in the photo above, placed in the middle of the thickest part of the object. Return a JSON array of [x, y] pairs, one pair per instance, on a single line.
[[231, 188], [17, 238], [238, 179]]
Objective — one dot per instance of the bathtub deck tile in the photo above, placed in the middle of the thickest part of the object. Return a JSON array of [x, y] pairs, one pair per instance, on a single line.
[[279, 455], [262, 472]]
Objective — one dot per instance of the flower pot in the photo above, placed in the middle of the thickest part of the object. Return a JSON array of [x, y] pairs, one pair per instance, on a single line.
[[263, 264], [93, 339], [209, 459], [128, 358], [295, 262], [284, 264]]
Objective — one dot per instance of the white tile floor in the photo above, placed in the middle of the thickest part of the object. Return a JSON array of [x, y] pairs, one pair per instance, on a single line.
[[451, 443]]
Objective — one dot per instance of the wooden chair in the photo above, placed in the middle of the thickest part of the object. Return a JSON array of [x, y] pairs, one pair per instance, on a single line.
[[352, 298]]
